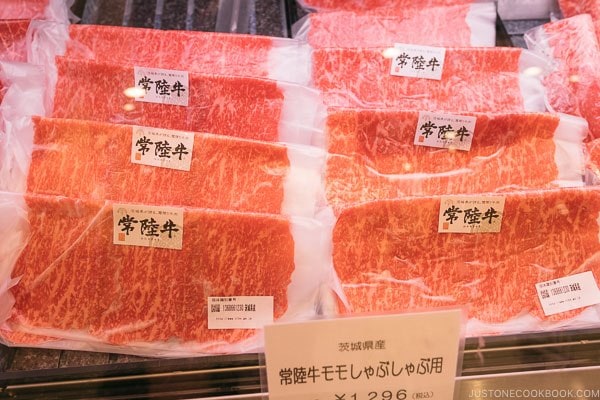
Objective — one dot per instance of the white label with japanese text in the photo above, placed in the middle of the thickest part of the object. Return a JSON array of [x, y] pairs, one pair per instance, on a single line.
[[162, 86], [383, 357], [148, 226], [568, 293], [240, 312], [162, 148], [470, 214], [445, 131], [418, 61]]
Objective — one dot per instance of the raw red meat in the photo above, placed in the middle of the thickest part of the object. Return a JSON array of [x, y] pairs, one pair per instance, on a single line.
[[76, 283], [570, 8], [237, 106], [472, 25], [23, 9], [373, 156], [361, 78], [12, 40], [203, 52], [91, 160], [389, 256], [362, 5], [573, 87]]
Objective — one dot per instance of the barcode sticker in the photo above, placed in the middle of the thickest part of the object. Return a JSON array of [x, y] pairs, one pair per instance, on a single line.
[[418, 61], [470, 214], [162, 148], [162, 86], [568, 293], [148, 226], [240, 312], [445, 131]]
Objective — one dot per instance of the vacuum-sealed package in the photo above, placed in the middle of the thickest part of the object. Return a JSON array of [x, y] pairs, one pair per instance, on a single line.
[[434, 79], [22, 95], [385, 154], [503, 257], [365, 5], [193, 51], [102, 161], [157, 281], [252, 108], [13, 45], [472, 25], [574, 84], [571, 8], [54, 10]]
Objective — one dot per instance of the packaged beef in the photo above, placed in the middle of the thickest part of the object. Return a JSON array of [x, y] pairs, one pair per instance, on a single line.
[[53, 10], [378, 154], [12, 40], [472, 25], [571, 8], [102, 161], [365, 5], [468, 77], [77, 281], [193, 51], [391, 257], [573, 86]]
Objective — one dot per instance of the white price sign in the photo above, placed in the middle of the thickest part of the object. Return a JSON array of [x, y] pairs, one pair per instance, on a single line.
[[365, 358]]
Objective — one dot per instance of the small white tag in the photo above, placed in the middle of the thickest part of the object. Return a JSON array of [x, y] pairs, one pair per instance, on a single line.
[[568, 293], [148, 226], [418, 61], [162, 86], [400, 357], [470, 214], [162, 148], [445, 131], [240, 312]]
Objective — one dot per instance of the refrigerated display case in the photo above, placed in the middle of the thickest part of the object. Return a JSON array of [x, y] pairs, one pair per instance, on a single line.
[[558, 364]]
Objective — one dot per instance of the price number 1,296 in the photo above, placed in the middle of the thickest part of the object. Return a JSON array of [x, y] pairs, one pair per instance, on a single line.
[[383, 395]]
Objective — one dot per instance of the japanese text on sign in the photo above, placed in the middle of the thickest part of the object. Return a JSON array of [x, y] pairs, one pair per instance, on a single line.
[[400, 356], [418, 61], [298, 375], [148, 226], [568, 293], [162, 86], [162, 148], [445, 131], [469, 214], [240, 312]]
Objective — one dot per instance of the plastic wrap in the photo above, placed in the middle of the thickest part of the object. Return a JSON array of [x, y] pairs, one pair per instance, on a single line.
[[203, 52], [361, 78], [365, 5], [472, 25], [373, 156], [23, 97], [390, 257], [231, 105], [92, 160], [574, 84], [75, 284]]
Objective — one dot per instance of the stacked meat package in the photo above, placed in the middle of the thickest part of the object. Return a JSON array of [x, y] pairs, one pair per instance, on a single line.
[[425, 159], [159, 202], [169, 193]]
